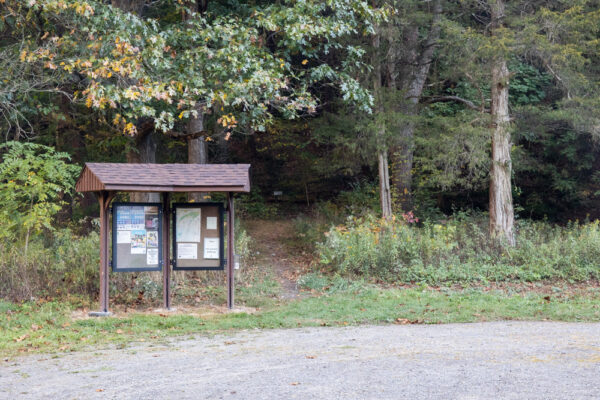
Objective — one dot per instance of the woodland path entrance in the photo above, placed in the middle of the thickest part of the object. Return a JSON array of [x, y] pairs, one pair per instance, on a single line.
[[272, 242]]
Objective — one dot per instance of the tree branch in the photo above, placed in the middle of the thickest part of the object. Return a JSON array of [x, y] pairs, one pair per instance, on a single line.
[[468, 103]]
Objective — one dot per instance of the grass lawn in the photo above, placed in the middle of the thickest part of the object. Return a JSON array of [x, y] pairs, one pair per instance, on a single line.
[[55, 326]]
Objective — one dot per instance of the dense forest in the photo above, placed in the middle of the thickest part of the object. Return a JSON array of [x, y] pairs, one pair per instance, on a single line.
[[416, 110]]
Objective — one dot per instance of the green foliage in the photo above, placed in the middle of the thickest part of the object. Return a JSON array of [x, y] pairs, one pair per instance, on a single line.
[[361, 198], [460, 250], [528, 84], [34, 181], [243, 63], [67, 266], [318, 282], [554, 164], [255, 206], [313, 281]]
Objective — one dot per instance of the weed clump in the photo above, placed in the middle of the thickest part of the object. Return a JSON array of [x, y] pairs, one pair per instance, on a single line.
[[460, 250]]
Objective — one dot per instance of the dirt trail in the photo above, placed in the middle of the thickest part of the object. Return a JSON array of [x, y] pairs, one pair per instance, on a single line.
[[271, 240]]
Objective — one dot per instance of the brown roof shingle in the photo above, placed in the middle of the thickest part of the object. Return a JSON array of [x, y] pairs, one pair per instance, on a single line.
[[164, 177]]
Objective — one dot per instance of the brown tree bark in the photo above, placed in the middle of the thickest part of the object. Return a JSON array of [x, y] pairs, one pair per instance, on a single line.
[[501, 203], [145, 153], [410, 78], [197, 152], [197, 147], [131, 6]]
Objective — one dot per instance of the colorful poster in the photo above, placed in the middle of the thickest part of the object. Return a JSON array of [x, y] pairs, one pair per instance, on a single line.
[[123, 218], [188, 224], [151, 221], [211, 248], [123, 237], [152, 257], [138, 242], [211, 222], [187, 251], [152, 239], [137, 218]]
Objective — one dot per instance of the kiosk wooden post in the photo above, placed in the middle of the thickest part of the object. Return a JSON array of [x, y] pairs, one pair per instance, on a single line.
[[230, 250], [166, 261], [104, 199]]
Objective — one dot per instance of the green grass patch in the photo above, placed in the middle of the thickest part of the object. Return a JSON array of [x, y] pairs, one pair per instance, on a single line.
[[50, 327]]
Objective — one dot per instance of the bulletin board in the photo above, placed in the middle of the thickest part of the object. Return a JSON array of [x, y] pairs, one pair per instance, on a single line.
[[198, 236], [136, 237]]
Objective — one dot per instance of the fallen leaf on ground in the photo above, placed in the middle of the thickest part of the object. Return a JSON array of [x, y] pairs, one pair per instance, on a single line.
[[20, 339]]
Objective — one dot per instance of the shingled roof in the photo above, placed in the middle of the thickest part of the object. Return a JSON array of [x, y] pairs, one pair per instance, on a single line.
[[96, 177]]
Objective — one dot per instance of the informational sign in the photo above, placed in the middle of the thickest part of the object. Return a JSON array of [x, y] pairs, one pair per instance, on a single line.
[[187, 251], [137, 244], [211, 223], [198, 236], [211, 248]]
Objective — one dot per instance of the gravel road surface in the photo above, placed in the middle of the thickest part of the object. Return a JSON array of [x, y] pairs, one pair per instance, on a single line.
[[498, 360]]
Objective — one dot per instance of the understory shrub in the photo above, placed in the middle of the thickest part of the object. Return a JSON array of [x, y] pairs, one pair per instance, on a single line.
[[460, 250], [61, 264], [65, 265]]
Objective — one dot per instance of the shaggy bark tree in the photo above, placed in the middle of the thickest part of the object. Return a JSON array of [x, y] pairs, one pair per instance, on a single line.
[[501, 203]]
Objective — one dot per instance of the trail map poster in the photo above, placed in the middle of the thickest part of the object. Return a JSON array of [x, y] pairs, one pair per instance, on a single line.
[[188, 224], [198, 236], [136, 241]]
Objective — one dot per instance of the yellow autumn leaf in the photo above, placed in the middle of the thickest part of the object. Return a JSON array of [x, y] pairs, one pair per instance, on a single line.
[[304, 62]]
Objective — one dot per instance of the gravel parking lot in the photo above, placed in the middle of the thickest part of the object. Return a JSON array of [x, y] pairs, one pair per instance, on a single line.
[[510, 360]]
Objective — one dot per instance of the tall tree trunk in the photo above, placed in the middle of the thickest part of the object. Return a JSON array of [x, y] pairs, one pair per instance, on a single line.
[[385, 193], [382, 158], [197, 152], [145, 140], [197, 148], [131, 6], [412, 80], [145, 154], [501, 204]]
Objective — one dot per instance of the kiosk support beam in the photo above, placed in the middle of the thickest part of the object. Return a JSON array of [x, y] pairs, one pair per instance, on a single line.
[[230, 249], [104, 198], [166, 261]]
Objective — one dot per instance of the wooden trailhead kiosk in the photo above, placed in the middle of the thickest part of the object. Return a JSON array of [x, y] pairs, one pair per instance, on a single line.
[[141, 232]]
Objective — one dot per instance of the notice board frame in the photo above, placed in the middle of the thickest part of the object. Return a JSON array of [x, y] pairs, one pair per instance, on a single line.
[[114, 262], [220, 224]]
